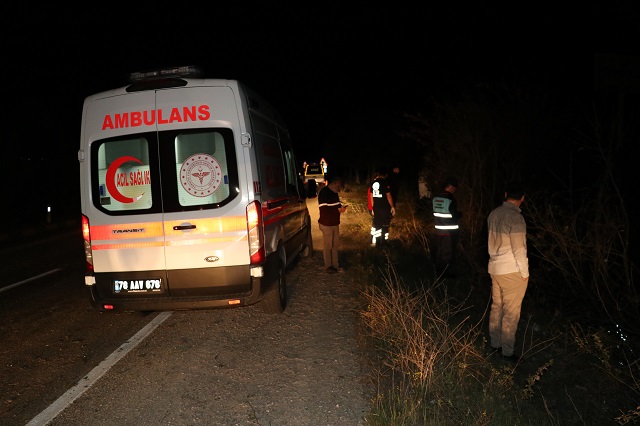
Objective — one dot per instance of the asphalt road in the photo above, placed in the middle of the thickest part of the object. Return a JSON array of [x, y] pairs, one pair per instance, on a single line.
[[63, 363]]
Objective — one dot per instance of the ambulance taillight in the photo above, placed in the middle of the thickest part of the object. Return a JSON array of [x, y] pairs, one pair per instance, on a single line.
[[86, 236], [256, 233]]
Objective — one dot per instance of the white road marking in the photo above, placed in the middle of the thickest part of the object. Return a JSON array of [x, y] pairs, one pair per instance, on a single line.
[[29, 279], [86, 382]]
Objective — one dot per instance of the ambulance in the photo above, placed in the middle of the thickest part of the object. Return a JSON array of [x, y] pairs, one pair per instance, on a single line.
[[190, 195]]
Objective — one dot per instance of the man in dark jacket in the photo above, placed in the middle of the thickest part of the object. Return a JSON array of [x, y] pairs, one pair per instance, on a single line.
[[446, 216], [394, 183], [330, 210]]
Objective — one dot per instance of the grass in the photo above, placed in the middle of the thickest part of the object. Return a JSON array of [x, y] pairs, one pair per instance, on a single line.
[[430, 363]]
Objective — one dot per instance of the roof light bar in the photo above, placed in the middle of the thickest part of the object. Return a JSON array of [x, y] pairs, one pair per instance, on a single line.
[[188, 71]]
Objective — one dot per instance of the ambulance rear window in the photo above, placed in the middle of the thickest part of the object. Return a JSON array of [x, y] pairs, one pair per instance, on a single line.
[[314, 169], [123, 174], [170, 171], [201, 168]]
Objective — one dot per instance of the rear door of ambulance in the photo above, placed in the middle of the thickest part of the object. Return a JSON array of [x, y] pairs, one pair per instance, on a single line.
[[167, 208]]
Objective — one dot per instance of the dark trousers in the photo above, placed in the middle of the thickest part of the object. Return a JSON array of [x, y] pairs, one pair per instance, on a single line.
[[445, 251], [380, 227]]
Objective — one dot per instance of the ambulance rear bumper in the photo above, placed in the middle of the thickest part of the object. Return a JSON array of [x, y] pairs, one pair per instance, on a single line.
[[223, 287]]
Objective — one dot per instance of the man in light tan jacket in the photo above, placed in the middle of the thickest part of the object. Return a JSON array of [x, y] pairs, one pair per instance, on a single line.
[[509, 270]]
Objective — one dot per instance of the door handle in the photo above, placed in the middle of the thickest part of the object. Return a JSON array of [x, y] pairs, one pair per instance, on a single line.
[[183, 227]]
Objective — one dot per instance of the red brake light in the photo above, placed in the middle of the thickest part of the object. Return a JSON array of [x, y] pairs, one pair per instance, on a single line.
[[86, 235], [255, 233]]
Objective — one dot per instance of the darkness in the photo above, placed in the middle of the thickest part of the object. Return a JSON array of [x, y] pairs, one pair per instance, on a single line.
[[331, 70]]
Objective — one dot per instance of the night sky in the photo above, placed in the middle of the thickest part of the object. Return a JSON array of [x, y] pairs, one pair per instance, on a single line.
[[325, 66]]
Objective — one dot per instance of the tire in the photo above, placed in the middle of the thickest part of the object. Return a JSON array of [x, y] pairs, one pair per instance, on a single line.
[[275, 301], [308, 248]]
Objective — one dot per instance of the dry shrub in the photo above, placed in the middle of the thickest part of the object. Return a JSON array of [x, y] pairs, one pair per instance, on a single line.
[[431, 347]]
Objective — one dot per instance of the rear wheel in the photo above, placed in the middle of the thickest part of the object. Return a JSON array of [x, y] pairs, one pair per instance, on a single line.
[[275, 300], [308, 248]]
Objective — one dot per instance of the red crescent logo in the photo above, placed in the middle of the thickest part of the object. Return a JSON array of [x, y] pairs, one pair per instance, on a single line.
[[111, 179]]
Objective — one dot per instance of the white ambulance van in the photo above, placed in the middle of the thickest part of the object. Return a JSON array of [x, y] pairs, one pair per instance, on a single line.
[[190, 196]]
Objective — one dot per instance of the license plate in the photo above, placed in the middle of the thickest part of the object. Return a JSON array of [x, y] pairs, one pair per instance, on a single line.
[[148, 285]]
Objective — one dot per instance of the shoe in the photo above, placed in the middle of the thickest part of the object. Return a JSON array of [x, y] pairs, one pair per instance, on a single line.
[[340, 269], [331, 270], [513, 358], [490, 350]]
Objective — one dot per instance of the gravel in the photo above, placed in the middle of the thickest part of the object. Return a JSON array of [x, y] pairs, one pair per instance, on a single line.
[[242, 366]]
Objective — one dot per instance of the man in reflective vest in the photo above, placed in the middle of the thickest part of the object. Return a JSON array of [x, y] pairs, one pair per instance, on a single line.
[[446, 215], [382, 207]]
